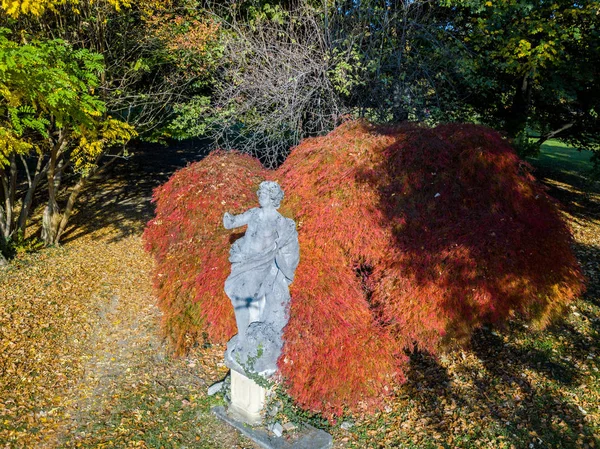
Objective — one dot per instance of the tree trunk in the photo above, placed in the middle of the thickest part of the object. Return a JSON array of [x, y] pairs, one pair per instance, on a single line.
[[9, 188], [516, 121], [50, 220], [12, 192], [28, 200], [69, 207], [3, 224], [3, 242], [51, 217], [3, 261]]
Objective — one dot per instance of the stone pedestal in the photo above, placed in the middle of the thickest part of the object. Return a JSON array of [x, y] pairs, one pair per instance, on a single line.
[[248, 399], [305, 437]]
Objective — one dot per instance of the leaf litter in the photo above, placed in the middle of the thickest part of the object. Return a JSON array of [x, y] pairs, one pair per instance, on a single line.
[[82, 361]]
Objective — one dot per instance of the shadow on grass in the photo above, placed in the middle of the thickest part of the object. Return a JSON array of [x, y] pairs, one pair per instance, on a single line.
[[121, 199], [558, 156], [572, 185], [503, 400]]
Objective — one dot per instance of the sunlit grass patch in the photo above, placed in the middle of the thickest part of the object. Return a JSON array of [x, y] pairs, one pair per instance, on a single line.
[[557, 155], [150, 415]]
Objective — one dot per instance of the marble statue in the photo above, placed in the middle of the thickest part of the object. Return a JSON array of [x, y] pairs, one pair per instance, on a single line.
[[263, 263]]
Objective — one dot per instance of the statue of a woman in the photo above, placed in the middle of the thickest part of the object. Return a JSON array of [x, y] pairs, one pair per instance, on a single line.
[[263, 263]]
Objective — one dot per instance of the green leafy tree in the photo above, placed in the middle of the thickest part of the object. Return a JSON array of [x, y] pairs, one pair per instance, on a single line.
[[49, 107], [158, 54], [532, 65]]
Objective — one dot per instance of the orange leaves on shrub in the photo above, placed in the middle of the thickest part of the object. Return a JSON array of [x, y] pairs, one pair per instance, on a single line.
[[473, 232], [335, 354], [339, 355], [409, 237]]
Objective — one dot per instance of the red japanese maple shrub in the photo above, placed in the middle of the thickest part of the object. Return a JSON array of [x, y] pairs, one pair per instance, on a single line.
[[408, 237], [429, 233], [475, 237], [191, 246]]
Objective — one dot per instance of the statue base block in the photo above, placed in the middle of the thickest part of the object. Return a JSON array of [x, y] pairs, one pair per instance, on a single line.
[[306, 437], [248, 399]]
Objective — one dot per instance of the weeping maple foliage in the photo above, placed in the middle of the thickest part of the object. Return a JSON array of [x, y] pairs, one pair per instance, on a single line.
[[409, 238], [191, 247]]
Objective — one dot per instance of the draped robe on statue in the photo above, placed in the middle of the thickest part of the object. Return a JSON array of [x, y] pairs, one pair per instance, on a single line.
[[263, 263]]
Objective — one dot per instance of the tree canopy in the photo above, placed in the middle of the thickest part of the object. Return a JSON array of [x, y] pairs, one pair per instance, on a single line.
[[258, 75], [532, 66]]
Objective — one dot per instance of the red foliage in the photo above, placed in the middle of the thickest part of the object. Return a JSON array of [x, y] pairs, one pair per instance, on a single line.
[[408, 237], [191, 247]]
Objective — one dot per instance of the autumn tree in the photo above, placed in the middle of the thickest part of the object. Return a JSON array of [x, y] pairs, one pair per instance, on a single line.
[[50, 111]]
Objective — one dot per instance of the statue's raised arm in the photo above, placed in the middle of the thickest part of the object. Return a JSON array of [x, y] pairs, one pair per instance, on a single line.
[[263, 263], [235, 221]]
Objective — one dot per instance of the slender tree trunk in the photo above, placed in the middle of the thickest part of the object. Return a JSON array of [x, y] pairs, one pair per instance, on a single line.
[[3, 261], [12, 191], [31, 188], [3, 243], [3, 226], [4, 188], [3, 233], [9, 188], [51, 217], [69, 207]]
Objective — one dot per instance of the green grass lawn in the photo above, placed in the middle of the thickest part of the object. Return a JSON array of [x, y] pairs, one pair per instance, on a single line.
[[558, 156]]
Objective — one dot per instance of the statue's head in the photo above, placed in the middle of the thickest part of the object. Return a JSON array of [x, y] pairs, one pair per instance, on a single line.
[[273, 190]]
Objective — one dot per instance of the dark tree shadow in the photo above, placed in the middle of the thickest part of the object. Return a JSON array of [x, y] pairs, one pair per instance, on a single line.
[[577, 193], [121, 198], [501, 392]]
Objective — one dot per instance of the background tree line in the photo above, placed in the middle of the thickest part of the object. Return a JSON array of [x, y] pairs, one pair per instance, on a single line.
[[78, 79]]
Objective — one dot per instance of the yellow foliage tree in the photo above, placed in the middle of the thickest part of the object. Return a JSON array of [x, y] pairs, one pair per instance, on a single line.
[[15, 8], [49, 109]]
